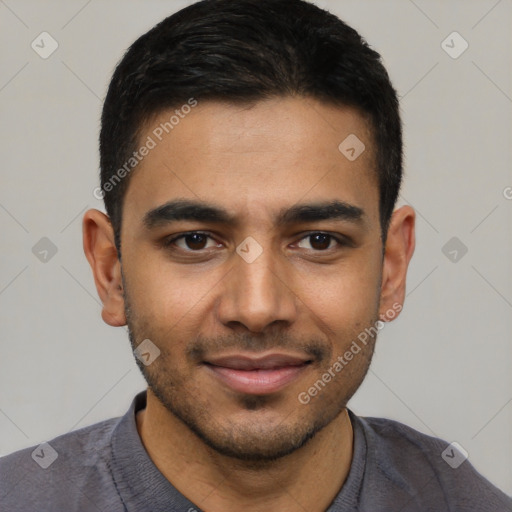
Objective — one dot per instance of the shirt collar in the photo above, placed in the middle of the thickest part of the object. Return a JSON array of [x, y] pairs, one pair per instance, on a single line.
[[142, 487]]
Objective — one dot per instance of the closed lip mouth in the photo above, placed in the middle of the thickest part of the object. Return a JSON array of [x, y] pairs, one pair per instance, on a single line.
[[247, 363]]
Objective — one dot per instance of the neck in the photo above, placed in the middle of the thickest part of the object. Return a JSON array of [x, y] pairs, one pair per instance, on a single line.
[[307, 479]]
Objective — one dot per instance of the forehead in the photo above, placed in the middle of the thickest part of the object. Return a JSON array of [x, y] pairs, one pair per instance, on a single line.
[[254, 159]]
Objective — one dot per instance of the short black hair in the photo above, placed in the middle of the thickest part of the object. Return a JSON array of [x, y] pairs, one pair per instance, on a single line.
[[243, 51]]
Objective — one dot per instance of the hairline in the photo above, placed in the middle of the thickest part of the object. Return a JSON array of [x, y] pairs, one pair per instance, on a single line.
[[144, 120]]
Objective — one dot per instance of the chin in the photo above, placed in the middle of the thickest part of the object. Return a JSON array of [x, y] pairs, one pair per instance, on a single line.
[[255, 442], [259, 431]]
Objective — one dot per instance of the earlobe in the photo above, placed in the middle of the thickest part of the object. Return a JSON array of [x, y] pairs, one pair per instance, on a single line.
[[398, 253], [101, 252]]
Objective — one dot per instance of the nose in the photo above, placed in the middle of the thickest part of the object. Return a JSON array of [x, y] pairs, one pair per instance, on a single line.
[[258, 294]]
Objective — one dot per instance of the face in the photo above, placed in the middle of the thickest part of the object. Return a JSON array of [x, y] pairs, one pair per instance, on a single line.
[[252, 258]]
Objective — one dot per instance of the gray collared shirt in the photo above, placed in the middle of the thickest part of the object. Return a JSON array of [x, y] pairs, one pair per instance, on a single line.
[[105, 468]]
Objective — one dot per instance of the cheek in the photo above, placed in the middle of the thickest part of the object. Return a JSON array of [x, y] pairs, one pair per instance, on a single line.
[[343, 296], [164, 290], [168, 303]]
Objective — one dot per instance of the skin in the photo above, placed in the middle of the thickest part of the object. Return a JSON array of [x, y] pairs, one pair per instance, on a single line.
[[226, 450]]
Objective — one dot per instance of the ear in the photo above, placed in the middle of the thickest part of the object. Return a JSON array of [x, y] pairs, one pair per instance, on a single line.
[[399, 249], [101, 252]]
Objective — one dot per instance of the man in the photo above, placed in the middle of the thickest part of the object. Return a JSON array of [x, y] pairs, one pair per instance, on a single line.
[[251, 158]]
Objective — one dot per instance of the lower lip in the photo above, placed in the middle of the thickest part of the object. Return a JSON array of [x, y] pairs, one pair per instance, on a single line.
[[257, 382]]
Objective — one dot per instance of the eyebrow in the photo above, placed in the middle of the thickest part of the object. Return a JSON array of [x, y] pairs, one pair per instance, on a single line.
[[186, 209]]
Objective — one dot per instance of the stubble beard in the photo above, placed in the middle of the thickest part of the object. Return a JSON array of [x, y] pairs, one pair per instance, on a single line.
[[252, 441]]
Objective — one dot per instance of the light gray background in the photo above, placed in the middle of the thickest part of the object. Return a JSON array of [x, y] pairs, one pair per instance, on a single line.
[[444, 367]]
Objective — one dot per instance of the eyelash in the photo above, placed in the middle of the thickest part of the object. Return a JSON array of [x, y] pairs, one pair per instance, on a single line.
[[169, 242]]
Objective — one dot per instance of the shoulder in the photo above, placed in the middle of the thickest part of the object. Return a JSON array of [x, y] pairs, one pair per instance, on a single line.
[[69, 472], [431, 472]]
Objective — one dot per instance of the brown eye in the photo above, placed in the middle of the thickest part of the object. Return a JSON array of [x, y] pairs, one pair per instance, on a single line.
[[195, 241], [318, 241], [192, 242]]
